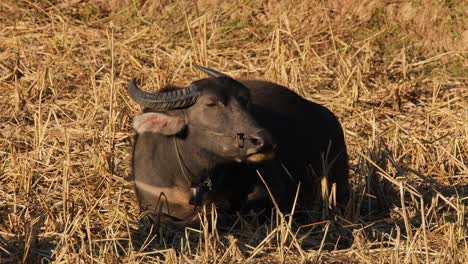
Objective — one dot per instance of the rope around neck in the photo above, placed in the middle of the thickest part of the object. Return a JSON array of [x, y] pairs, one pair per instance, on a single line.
[[180, 162]]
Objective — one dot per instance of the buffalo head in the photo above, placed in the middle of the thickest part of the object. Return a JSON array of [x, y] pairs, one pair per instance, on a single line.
[[212, 114]]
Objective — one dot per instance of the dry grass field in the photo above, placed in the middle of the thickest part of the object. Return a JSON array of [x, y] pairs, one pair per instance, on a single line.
[[394, 72]]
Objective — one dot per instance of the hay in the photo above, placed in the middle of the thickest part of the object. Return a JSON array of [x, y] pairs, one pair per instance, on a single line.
[[397, 86]]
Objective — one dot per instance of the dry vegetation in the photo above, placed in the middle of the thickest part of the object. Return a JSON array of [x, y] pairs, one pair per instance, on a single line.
[[394, 73]]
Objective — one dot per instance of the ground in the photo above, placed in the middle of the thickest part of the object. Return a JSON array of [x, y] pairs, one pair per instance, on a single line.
[[395, 74]]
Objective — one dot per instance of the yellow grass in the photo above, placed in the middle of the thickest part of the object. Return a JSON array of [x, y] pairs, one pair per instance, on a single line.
[[394, 73]]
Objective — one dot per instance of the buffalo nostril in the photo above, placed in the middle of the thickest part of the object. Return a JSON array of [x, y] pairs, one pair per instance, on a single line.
[[262, 141], [258, 142]]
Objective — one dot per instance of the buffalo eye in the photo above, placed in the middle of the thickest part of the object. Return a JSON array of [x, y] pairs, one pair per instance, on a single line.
[[212, 101]]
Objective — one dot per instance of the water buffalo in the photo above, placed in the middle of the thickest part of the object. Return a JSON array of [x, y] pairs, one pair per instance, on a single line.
[[207, 143]]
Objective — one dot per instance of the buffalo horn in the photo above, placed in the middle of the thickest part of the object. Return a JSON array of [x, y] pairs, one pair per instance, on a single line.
[[210, 72], [162, 101]]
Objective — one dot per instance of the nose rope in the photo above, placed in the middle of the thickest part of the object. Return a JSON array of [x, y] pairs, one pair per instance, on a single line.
[[239, 137], [240, 140]]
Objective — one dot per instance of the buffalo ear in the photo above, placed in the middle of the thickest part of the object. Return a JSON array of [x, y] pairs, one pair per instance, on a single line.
[[158, 123]]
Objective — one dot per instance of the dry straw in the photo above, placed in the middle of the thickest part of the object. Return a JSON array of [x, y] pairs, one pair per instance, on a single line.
[[394, 73]]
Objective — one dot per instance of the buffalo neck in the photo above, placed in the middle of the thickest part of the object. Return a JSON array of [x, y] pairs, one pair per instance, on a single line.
[[195, 163]]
